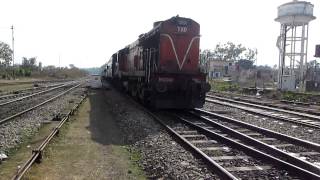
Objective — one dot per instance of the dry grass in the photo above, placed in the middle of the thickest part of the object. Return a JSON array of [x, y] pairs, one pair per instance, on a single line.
[[76, 155], [18, 84], [18, 156]]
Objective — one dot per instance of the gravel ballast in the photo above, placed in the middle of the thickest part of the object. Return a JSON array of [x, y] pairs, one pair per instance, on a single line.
[[12, 133], [161, 156], [291, 129]]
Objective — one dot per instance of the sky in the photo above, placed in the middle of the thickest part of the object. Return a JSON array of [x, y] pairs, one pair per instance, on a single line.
[[87, 32]]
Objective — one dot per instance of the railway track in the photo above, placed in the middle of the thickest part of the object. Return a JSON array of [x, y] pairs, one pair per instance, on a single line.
[[238, 157], [30, 82], [277, 103], [230, 148], [37, 153], [26, 93], [8, 116], [235, 158], [302, 149], [299, 118]]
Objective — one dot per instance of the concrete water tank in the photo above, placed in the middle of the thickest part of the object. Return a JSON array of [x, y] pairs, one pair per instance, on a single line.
[[295, 13]]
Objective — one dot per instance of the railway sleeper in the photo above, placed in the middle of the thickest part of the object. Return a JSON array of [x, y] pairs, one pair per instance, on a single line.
[[221, 158], [187, 132], [254, 152], [248, 168]]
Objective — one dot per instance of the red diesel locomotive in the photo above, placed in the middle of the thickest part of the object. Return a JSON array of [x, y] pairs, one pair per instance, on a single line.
[[162, 67]]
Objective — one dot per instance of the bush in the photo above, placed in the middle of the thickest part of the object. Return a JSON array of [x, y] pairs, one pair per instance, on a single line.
[[295, 96], [217, 85], [20, 72]]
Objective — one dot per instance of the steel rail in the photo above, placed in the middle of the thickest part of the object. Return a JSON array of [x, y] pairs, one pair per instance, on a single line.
[[31, 95], [30, 82], [222, 173], [264, 114], [294, 140], [15, 95], [24, 92], [261, 145], [305, 115], [29, 109], [217, 169], [254, 152], [9, 93], [37, 153], [224, 94]]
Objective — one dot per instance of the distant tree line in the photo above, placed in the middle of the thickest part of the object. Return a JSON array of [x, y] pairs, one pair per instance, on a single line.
[[31, 68]]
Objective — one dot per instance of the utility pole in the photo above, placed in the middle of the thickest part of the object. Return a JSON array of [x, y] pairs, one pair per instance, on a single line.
[[12, 45], [12, 52]]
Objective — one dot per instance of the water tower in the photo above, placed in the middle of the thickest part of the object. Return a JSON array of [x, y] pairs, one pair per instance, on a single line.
[[292, 43]]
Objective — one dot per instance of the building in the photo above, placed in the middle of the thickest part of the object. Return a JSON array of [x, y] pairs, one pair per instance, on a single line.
[[313, 76], [220, 68]]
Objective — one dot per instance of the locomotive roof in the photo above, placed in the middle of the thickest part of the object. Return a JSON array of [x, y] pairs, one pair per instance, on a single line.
[[155, 30], [158, 25]]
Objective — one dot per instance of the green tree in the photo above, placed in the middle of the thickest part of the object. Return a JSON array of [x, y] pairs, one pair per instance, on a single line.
[[313, 64], [33, 61], [245, 64], [5, 54], [251, 54], [29, 63], [228, 51], [25, 62], [204, 55], [72, 66]]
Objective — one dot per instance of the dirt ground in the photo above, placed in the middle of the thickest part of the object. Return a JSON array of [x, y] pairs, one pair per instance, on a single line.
[[18, 84], [14, 87], [89, 147]]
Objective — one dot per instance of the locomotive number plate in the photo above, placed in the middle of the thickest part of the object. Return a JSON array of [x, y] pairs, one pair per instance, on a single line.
[[182, 29]]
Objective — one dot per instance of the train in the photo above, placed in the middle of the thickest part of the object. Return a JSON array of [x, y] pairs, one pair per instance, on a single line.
[[162, 68]]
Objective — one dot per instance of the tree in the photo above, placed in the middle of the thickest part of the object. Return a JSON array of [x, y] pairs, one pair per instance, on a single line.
[[228, 51], [72, 66], [5, 54], [275, 67], [251, 54], [29, 62], [33, 61], [245, 64], [25, 62], [204, 55], [313, 64]]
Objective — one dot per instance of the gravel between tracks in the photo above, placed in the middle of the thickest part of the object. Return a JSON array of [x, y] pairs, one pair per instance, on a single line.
[[18, 106], [14, 132], [161, 156], [299, 131]]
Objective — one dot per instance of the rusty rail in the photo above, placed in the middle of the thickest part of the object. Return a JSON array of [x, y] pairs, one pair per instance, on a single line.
[[38, 152], [29, 109]]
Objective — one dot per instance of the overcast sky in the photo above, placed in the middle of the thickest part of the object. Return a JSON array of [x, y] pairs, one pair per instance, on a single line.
[[87, 32]]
